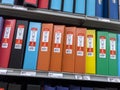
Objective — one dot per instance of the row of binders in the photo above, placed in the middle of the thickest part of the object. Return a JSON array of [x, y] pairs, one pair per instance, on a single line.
[[48, 47], [99, 8]]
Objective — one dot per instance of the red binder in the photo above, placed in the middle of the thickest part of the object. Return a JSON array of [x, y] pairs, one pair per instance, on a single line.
[[43, 4], [5, 46]]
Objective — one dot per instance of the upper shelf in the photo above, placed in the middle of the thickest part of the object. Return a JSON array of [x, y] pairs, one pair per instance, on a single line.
[[59, 17]]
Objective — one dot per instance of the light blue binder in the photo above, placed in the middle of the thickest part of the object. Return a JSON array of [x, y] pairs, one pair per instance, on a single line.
[[68, 5], [119, 54], [80, 6], [90, 8], [31, 53], [56, 4], [8, 2]]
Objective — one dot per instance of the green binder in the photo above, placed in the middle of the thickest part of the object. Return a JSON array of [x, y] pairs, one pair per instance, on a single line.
[[102, 53], [113, 62]]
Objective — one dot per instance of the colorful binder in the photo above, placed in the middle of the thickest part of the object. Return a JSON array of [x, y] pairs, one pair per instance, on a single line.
[[86, 88], [43, 4], [57, 48], [45, 47], [91, 52], [99, 8], [32, 46], [6, 43], [90, 7], [113, 60], [33, 3], [68, 63], [18, 45], [11, 2], [46, 87], [3, 85], [80, 6], [1, 27], [33, 87], [119, 54], [61, 88], [74, 88], [119, 10], [68, 6], [102, 53], [56, 4], [80, 56], [14, 87]]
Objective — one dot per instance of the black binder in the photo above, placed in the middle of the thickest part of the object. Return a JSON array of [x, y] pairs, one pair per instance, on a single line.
[[100, 89], [3, 85], [33, 87], [14, 87]]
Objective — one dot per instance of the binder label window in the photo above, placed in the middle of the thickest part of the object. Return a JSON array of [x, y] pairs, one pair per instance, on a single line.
[[112, 48], [90, 45]]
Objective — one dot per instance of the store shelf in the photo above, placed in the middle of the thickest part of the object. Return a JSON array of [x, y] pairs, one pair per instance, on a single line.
[[57, 75]]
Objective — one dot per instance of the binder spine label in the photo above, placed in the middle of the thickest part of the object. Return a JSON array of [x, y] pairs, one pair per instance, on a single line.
[[90, 45], [19, 37], [31, 1], [45, 40], [33, 38], [114, 1], [100, 1], [58, 36], [80, 45], [69, 42], [6, 37], [112, 48], [102, 53]]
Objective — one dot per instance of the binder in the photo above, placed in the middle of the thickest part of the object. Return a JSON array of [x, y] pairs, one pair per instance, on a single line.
[[32, 46], [102, 53], [119, 10], [91, 52], [56, 4], [62, 88], [113, 60], [6, 43], [45, 47], [68, 6], [33, 3], [119, 54], [112, 89], [105, 8], [68, 63], [14, 87], [74, 88], [90, 7], [80, 56], [43, 4], [1, 27], [86, 88], [100, 89], [80, 6], [99, 8], [18, 45], [11, 2], [3, 85], [57, 48], [46, 87], [33, 87], [113, 6]]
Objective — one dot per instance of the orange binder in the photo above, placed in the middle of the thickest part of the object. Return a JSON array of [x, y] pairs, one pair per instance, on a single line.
[[45, 47], [69, 50], [80, 56], [57, 48]]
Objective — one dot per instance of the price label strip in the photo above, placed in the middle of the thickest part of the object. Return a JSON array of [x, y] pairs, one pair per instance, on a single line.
[[86, 78], [113, 79], [55, 75], [28, 73], [3, 71], [79, 77]]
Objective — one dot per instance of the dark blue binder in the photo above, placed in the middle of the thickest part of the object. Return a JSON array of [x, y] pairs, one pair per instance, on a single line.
[[119, 54], [62, 88], [68, 5], [80, 6], [74, 88], [56, 4], [46, 87], [1, 26], [11, 2], [105, 8], [90, 8], [99, 8], [86, 88], [113, 9]]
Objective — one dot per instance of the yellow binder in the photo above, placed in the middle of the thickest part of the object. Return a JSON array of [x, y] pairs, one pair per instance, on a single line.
[[91, 52]]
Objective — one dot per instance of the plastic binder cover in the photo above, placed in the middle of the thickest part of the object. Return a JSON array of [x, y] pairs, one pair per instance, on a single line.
[[80, 56], [68, 62], [91, 52], [46, 87], [3, 85], [6, 43], [68, 6], [18, 45], [43, 4], [33, 87], [90, 7], [74, 88], [113, 60], [33, 3], [56, 4], [119, 54], [57, 48], [12, 2], [1, 27], [80, 6], [100, 89], [61, 88], [99, 8], [86, 88], [102, 53], [32, 47], [113, 6], [45, 47], [14, 87]]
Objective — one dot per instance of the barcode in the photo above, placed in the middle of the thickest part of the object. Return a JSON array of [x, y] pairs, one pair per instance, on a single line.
[[18, 46], [79, 53], [68, 51], [4, 45], [90, 54], [44, 49], [112, 56], [102, 55], [57, 50], [31, 48]]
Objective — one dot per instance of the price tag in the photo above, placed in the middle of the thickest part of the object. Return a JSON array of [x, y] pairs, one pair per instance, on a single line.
[[86, 77], [19, 8], [3, 71], [104, 20], [78, 77], [57, 75], [28, 73], [113, 80]]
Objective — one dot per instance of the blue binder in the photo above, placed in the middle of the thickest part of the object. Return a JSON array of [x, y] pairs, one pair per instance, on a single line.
[[86, 88], [119, 54], [62, 88], [113, 9], [1, 26], [56, 4], [105, 8], [74, 88], [68, 5], [99, 8], [32, 46], [80, 6], [46, 87], [11, 2], [90, 9]]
